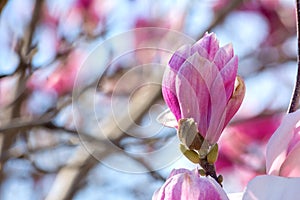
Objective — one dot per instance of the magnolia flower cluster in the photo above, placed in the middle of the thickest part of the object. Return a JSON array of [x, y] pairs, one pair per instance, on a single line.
[[203, 92]]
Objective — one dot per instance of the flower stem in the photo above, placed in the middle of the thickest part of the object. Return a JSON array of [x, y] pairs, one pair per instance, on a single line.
[[296, 94], [210, 170]]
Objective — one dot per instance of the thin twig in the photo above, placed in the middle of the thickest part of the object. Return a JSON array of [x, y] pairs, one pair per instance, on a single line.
[[25, 122], [7, 140], [2, 5], [31, 29], [296, 94], [150, 169], [66, 182]]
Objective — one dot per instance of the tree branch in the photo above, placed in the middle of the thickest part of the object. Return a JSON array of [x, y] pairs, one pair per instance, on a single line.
[[296, 94], [26, 48], [64, 187]]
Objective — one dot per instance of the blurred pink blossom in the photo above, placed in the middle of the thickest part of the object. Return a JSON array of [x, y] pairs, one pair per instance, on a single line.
[[244, 138], [243, 141], [274, 12], [89, 12], [62, 79], [89, 15], [184, 184], [201, 82], [157, 30]]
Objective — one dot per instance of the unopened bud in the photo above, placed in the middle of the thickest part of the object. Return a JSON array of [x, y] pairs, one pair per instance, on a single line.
[[190, 154], [212, 156], [188, 133], [202, 172], [220, 178]]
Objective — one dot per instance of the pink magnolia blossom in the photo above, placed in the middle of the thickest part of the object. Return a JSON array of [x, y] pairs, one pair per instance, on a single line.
[[283, 150], [282, 163], [184, 184], [201, 83]]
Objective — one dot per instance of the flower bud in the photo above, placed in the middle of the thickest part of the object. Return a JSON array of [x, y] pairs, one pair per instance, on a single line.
[[184, 184], [201, 83], [190, 154], [212, 155]]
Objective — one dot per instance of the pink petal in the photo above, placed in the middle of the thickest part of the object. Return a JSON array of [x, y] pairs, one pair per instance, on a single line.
[[221, 111], [168, 83], [200, 50], [188, 185], [192, 91], [169, 190], [218, 100], [210, 43], [179, 171], [236, 100], [216, 127], [279, 142], [215, 192], [229, 72], [291, 165], [169, 93], [223, 56], [272, 187], [179, 57], [204, 188]]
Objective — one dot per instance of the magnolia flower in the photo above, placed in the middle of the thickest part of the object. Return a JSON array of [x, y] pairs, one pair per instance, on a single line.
[[244, 141], [283, 150], [184, 184], [282, 164], [201, 83]]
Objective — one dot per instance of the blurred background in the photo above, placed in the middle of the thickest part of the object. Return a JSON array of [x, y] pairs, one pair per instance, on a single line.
[[80, 92]]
